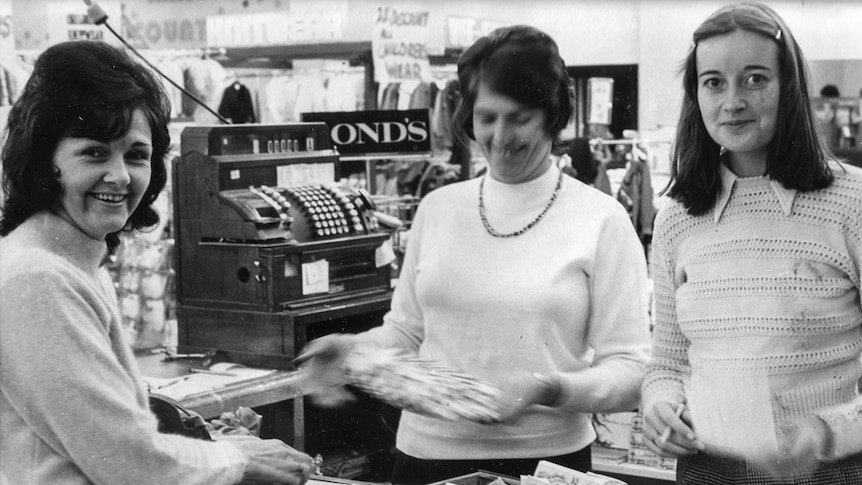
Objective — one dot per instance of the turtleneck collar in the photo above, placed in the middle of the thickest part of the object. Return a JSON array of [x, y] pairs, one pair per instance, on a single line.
[[67, 240], [526, 196]]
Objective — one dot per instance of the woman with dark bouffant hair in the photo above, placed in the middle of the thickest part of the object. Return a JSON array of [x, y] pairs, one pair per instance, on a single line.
[[525, 278], [84, 159], [72, 93], [756, 262]]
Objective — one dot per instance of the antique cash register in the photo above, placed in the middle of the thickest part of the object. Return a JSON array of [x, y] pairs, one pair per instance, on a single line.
[[271, 251]]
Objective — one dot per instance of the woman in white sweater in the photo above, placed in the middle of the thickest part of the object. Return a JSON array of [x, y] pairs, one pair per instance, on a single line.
[[525, 278], [84, 160], [757, 264]]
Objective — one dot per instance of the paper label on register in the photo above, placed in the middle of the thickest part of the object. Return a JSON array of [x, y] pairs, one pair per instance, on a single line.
[[315, 277], [384, 254]]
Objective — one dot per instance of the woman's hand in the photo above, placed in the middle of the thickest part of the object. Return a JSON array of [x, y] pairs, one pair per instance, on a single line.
[[523, 389], [667, 430], [801, 445], [271, 461], [322, 360]]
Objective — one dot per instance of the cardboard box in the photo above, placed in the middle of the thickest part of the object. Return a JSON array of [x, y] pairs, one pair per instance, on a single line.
[[479, 478]]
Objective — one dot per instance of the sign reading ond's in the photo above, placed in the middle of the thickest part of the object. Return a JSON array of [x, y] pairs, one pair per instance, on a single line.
[[369, 132]]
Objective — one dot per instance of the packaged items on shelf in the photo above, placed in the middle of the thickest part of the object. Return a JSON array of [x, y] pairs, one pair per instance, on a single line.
[[422, 386], [613, 430]]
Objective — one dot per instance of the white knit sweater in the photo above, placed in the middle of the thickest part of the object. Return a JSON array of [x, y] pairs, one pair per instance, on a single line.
[[567, 296], [72, 406], [758, 317]]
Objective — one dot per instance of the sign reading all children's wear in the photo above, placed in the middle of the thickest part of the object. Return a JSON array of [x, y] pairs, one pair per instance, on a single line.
[[399, 46]]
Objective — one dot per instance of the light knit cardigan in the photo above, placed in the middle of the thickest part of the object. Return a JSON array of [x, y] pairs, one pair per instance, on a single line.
[[567, 297], [758, 317], [72, 406]]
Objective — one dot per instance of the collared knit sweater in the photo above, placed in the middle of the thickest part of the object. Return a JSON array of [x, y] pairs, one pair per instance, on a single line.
[[565, 297], [72, 407], [758, 316]]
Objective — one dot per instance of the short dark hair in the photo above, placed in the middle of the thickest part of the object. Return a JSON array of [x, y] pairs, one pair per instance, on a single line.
[[524, 64], [82, 89], [796, 157], [830, 91]]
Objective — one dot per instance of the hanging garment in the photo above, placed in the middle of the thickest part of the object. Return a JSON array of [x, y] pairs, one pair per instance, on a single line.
[[236, 104], [636, 195]]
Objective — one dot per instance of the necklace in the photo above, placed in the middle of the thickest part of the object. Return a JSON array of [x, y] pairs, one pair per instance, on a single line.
[[526, 228]]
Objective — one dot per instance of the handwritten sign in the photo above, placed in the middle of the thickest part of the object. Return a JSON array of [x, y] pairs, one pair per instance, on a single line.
[[399, 46]]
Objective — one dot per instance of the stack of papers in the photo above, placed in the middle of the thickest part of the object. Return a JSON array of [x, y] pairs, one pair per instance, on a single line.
[[205, 380]]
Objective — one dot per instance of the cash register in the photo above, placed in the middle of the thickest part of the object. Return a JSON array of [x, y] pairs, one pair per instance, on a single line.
[[269, 245]]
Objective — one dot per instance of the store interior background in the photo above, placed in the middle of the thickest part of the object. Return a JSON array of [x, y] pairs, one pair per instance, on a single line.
[[654, 35]]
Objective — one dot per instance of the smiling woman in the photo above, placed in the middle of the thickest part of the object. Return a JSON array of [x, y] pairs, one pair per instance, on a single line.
[[103, 182], [84, 160], [523, 278], [738, 96], [756, 263]]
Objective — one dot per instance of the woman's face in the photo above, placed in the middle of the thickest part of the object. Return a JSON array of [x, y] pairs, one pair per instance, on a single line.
[[511, 135], [103, 183], [738, 91]]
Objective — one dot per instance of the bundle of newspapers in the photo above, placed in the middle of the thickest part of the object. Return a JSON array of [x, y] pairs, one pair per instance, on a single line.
[[422, 386]]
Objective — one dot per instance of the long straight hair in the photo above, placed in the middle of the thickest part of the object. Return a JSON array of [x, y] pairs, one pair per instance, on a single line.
[[796, 156]]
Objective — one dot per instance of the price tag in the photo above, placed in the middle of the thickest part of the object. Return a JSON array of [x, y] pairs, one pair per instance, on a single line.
[[315, 277]]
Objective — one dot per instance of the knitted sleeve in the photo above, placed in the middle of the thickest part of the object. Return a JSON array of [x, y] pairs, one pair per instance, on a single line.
[[619, 327], [62, 375], [668, 367]]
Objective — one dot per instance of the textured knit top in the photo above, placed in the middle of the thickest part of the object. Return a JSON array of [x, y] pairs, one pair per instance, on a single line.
[[758, 317], [72, 407], [565, 297]]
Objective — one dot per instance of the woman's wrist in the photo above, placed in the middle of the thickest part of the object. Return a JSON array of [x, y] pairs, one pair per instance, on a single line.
[[550, 388]]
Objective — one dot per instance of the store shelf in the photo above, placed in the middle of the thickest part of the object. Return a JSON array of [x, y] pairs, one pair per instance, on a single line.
[[613, 461]]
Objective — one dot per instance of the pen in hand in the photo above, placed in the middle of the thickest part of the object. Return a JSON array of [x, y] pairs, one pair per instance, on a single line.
[[207, 371], [666, 434]]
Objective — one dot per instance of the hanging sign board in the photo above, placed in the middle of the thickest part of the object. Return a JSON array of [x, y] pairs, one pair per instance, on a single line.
[[464, 31], [399, 46], [377, 132], [273, 28], [68, 20], [601, 100]]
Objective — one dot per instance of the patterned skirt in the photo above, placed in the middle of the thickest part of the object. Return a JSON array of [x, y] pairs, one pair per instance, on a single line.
[[703, 469]]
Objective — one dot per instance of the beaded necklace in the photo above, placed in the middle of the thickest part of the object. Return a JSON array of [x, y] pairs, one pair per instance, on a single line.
[[526, 228]]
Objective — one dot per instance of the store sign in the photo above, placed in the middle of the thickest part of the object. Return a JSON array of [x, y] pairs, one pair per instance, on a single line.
[[68, 20], [370, 132], [274, 28], [464, 31], [399, 46], [601, 100], [80, 27]]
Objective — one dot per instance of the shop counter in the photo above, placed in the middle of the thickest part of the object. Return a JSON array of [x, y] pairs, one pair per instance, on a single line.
[[211, 391]]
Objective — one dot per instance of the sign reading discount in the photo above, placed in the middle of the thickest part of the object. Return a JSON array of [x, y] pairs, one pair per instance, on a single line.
[[399, 46]]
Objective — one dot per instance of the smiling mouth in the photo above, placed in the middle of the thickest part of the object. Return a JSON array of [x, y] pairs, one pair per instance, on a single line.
[[508, 152], [737, 123], [111, 198]]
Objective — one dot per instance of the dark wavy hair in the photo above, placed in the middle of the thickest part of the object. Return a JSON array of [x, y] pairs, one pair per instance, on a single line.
[[524, 64], [81, 89], [796, 157]]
